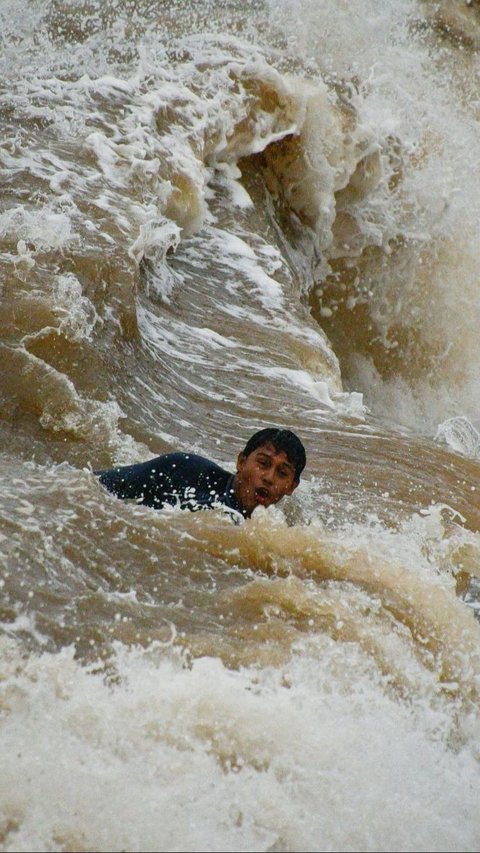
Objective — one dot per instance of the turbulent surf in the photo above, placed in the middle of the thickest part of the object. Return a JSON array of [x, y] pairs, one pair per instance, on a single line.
[[217, 217]]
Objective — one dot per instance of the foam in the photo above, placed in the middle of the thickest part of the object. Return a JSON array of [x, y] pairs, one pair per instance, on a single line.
[[237, 255], [45, 227], [79, 315], [319, 390], [414, 99], [461, 435], [261, 759]]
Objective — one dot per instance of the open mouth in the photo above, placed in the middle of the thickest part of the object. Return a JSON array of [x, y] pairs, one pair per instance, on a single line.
[[262, 495]]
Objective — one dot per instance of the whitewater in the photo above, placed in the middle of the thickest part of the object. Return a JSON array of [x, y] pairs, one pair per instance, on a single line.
[[215, 217]]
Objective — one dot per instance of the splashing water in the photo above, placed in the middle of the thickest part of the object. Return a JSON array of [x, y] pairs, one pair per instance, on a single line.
[[217, 217]]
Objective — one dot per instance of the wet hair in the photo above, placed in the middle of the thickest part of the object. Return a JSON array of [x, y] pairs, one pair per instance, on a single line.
[[282, 439]]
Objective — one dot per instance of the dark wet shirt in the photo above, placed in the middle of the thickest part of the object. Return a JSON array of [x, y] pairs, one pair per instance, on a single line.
[[179, 479]]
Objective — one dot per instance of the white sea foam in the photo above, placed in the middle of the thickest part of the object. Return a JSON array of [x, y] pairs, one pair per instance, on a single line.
[[294, 759], [46, 228], [412, 88], [340, 402], [78, 316], [459, 434]]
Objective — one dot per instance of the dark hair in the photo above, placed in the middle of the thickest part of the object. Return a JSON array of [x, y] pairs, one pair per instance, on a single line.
[[282, 439]]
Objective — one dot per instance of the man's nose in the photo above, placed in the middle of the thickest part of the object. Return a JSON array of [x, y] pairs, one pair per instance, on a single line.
[[268, 476]]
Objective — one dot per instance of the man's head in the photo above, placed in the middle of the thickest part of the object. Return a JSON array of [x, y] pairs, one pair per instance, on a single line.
[[268, 468]]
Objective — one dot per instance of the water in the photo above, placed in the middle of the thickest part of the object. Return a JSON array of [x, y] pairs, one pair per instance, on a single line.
[[217, 217]]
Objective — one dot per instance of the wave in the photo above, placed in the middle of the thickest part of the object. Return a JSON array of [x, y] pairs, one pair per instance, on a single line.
[[259, 759], [214, 220]]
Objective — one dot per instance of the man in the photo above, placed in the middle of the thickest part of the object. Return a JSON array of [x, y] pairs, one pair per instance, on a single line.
[[268, 468]]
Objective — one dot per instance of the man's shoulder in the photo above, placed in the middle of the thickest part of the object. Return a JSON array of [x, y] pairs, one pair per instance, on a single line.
[[179, 455], [187, 460]]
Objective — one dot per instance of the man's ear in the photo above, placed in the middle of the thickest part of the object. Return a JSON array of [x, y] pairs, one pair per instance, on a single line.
[[241, 460], [292, 487]]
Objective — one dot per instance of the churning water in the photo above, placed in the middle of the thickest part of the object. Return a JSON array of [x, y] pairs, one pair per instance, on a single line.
[[218, 216]]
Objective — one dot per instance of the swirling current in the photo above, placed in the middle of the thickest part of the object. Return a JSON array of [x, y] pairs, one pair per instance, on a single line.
[[219, 216]]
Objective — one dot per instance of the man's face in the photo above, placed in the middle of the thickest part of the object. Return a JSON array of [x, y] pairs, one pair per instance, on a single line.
[[263, 477]]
